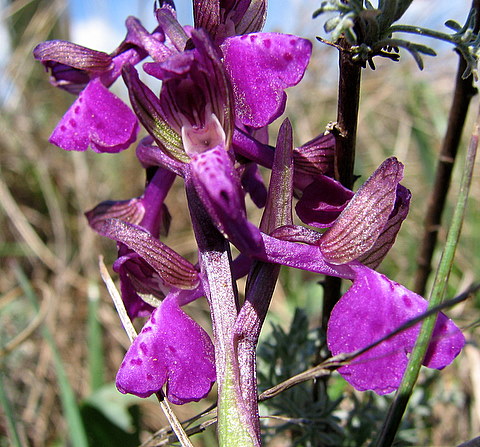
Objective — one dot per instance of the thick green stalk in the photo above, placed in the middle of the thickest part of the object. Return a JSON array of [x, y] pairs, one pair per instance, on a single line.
[[236, 425], [405, 390]]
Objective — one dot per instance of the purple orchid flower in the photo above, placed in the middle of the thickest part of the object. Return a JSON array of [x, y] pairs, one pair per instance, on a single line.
[[372, 308], [364, 230], [225, 18], [98, 118], [172, 350], [138, 277]]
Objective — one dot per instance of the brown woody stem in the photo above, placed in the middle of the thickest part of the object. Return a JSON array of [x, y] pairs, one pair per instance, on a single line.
[[346, 128], [464, 91]]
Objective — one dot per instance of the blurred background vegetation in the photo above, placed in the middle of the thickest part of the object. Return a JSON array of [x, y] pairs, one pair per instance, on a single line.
[[60, 339]]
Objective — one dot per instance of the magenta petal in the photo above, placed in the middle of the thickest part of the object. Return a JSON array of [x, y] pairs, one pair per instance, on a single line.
[[322, 202], [97, 118], [134, 305], [252, 182], [373, 307], [261, 66], [218, 187], [171, 349]]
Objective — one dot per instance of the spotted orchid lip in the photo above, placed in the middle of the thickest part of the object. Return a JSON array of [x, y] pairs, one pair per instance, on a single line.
[[372, 308], [88, 122], [172, 350]]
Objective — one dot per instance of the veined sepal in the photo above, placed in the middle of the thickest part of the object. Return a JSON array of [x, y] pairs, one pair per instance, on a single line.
[[172, 268]]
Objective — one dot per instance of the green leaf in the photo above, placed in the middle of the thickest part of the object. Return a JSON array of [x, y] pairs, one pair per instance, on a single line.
[[114, 406], [102, 432]]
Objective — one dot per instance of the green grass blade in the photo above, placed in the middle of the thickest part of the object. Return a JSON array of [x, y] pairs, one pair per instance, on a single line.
[[95, 337], [9, 416], [405, 390], [71, 410]]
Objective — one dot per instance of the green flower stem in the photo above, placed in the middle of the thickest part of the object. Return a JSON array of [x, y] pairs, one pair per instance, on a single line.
[[405, 390], [464, 91], [232, 429], [236, 426]]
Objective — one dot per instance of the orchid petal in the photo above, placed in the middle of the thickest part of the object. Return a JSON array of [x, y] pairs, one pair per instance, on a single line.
[[249, 147], [97, 118], [322, 202], [252, 182], [374, 307], [186, 96], [72, 55], [361, 222], [373, 257], [131, 211], [261, 66], [149, 111], [151, 155], [140, 275], [300, 256], [218, 186], [297, 233], [171, 349], [314, 158], [223, 19], [151, 43], [167, 19], [252, 15], [134, 305]]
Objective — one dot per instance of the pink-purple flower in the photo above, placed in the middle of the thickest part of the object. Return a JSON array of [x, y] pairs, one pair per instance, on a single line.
[[172, 350], [223, 83]]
